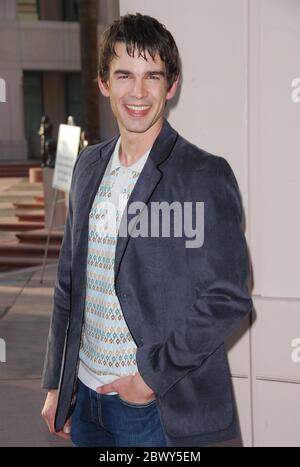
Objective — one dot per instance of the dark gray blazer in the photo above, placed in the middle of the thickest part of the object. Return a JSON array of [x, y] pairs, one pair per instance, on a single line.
[[179, 303]]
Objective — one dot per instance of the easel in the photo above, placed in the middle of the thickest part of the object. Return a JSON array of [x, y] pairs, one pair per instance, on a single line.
[[54, 203]]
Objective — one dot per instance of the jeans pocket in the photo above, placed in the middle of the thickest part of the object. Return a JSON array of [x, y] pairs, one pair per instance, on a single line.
[[135, 404]]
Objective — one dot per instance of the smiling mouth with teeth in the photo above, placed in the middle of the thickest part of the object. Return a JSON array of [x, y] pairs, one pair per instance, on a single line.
[[137, 111], [138, 107]]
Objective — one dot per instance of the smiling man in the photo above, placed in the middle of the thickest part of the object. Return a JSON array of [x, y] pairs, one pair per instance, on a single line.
[[135, 353]]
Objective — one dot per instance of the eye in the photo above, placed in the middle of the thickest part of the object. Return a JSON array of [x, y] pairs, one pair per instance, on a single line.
[[154, 77], [123, 76]]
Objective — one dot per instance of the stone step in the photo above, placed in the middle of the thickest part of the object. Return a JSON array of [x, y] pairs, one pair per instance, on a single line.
[[35, 175], [40, 236], [20, 226], [17, 169], [16, 249], [38, 216], [20, 195], [10, 264], [36, 205]]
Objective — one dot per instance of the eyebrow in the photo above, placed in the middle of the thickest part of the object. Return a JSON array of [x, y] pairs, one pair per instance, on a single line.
[[127, 72]]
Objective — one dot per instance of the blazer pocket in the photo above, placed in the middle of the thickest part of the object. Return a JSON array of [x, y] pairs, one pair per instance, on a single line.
[[202, 401]]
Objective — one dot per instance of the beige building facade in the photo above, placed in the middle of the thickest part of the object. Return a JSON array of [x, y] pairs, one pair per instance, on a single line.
[[40, 66]]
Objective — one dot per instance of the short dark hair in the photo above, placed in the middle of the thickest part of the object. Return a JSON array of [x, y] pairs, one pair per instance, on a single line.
[[142, 33]]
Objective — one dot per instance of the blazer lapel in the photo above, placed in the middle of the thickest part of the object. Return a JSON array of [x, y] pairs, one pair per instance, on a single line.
[[93, 175], [143, 189], [146, 184]]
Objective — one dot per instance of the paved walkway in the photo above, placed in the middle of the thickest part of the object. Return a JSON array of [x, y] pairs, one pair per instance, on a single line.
[[25, 310]]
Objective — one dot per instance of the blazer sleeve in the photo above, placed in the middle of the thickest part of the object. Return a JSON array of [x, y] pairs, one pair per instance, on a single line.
[[62, 303], [223, 298]]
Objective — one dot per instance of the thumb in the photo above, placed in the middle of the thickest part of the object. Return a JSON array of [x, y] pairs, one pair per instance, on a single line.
[[67, 427]]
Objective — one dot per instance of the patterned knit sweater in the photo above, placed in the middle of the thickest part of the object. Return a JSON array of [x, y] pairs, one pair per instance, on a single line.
[[107, 348]]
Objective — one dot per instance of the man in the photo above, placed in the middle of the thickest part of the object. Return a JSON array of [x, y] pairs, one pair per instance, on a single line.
[[136, 344]]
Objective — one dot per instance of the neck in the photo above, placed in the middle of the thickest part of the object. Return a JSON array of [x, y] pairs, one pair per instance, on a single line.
[[134, 145]]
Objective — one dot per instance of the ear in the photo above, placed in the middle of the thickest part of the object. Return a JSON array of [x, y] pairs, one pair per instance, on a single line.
[[172, 91], [103, 87]]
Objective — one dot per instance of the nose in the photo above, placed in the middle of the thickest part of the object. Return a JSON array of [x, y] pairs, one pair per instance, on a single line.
[[138, 89]]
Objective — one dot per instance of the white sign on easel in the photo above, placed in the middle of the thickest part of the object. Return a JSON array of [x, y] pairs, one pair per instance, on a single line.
[[66, 155]]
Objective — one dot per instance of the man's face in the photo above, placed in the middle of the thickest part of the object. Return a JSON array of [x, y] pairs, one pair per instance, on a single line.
[[137, 90]]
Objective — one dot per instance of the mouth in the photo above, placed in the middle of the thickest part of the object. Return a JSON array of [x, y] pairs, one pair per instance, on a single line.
[[137, 110]]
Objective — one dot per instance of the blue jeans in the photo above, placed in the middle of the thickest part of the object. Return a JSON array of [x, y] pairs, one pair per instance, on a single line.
[[107, 420]]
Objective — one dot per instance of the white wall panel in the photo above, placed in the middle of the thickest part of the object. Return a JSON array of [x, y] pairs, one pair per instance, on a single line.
[[277, 422], [274, 330]]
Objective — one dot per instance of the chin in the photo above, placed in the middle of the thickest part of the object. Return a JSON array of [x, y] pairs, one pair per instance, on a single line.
[[137, 128]]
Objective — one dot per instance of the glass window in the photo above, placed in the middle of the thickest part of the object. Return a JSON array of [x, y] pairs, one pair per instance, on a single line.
[[73, 97], [33, 110], [54, 10], [71, 10], [28, 10]]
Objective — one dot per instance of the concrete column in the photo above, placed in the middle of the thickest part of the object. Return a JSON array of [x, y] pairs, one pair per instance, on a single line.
[[8, 9], [108, 11], [12, 141]]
